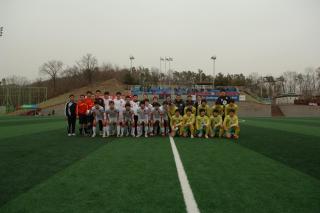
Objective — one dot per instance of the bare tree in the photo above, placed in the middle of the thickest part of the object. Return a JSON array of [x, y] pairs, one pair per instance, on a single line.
[[88, 65], [53, 69], [16, 80]]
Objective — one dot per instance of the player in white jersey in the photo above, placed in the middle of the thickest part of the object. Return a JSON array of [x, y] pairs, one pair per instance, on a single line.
[[135, 106], [156, 120], [127, 122], [165, 116], [99, 117], [143, 119], [119, 102], [112, 115], [106, 99]]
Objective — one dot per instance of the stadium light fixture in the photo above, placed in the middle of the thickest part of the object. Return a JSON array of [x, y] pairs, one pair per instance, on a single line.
[[131, 60], [213, 58]]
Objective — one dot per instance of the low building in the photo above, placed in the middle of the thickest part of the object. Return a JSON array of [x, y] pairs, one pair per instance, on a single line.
[[286, 98]]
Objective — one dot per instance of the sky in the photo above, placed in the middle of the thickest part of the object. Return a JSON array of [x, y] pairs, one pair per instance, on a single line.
[[264, 36]]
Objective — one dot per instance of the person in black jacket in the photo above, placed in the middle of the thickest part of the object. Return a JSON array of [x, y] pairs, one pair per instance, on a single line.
[[179, 104], [71, 115], [223, 99]]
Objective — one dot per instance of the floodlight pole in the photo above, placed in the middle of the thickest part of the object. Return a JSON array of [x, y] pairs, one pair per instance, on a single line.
[[213, 58], [131, 60]]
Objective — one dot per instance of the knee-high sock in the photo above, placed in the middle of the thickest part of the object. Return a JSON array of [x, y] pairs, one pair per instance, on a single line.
[[151, 128], [145, 129], [139, 130], [108, 130], [118, 129], [132, 129], [104, 130], [93, 129]]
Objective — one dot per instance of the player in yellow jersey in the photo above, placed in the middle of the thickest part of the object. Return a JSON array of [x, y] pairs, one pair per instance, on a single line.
[[205, 107], [188, 123], [171, 110], [231, 125], [191, 107], [219, 107], [176, 124], [202, 124], [216, 124], [230, 106]]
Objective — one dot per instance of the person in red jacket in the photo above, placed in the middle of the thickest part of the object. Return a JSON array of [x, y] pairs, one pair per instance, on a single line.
[[82, 110], [90, 102]]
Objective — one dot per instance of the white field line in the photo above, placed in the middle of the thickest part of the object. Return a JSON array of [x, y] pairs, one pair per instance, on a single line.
[[189, 200]]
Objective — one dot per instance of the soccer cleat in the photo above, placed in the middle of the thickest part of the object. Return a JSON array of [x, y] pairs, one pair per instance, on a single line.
[[69, 134], [93, 135], [206, 136], [191, 136], [139, 135], [146, 135], [74, 134]]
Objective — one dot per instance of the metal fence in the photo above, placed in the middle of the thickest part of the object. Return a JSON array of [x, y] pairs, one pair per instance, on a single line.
[[14, 96]]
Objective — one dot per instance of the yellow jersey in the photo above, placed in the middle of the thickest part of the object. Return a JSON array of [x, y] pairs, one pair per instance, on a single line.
[[176, 120], [202, 121], [231, 121], [188, 119], [229, 107], [216, 120]]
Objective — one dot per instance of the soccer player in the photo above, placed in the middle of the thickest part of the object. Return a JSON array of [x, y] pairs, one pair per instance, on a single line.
[[189, 101], [156, 120], [98, 98], [230, 106], [197, 103], [82, 108], [205, 107], [179, 104], [113, 120], [217, 106], [71, 115], [223, 99], [231, 125], [176, 124], [106, 99], [99, 117], [143, 120], [172, 110], [191, 107], [135, 107], [127, 123], [165, 115], [90, 102], [188, 123], [119, 102], [202, 124], [216, 124]]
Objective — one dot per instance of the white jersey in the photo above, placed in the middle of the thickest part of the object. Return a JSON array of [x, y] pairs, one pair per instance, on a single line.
[[127, 115], [135, 107], [98, 113], [165, 115], [106, 102], [143, 114], [156, 115], [112, 114], [119, 104]]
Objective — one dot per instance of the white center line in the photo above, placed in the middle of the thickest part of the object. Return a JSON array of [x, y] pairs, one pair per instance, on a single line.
[[189, 200]]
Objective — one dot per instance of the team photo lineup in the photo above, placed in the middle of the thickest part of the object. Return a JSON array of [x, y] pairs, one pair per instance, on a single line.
[[119, 116]]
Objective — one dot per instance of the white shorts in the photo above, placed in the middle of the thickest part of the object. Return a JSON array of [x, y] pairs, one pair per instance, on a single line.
[[143, 121], [113, 120]]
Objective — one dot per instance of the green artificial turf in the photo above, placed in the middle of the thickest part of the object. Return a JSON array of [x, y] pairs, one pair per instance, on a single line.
[[275, 167]]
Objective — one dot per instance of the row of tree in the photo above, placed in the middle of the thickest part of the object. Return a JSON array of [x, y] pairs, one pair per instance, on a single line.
[[60, 78]]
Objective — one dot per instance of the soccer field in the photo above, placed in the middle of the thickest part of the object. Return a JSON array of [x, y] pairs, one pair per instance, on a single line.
[[274, 167]]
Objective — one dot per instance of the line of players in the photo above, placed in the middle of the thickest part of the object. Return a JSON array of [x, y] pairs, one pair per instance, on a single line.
[[124, 117]]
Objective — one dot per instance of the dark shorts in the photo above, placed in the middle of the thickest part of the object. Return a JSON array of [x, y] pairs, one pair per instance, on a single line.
[[83, 119]]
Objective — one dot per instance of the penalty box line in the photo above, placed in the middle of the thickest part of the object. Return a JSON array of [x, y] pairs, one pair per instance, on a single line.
[[191, 204]]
